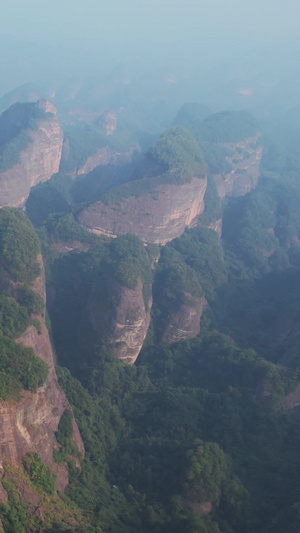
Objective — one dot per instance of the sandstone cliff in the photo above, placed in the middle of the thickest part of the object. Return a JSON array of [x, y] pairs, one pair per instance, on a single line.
[[122, 326], [164, 196], [38, 162], [185, 323], [105, 156], [156, 217], [245, 161], [29, 425], [101, 157]]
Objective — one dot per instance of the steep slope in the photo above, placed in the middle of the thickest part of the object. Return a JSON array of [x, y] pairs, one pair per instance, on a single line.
[[245, 159], [101, 299], [30, 149], [124, 327], [232, 146], [164, 197], [185, 322], [105, 140], [117, 312], [29, 418]]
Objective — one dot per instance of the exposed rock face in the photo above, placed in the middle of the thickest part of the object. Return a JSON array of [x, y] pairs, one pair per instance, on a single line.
[[104, 156], [185, 323], [125, 327], [245, 161], [217, 226], [101, 157], [156, 217], [38, 162], [29, 425], [109, 119]]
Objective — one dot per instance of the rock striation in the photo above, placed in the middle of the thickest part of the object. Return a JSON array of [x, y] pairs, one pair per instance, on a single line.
[[29, 425], [164, 196], [156, 217], [123, 326], [38, 162]]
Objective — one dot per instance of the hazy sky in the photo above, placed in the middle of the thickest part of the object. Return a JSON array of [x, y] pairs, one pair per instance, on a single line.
[[149, 19]]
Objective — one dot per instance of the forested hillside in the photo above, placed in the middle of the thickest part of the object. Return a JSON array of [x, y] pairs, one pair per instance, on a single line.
[[179, 356]]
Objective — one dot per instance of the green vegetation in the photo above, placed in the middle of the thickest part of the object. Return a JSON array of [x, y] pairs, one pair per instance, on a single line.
[[226, 127], [200, 425], [178, 155], [64, 436], [39, 473], [129, 262], [83, 141], [19, 245], [216, 157], [141, 468], [213, 207], [13, 137], [35, 484], [20, 368], [48, 198], [191, 113], [65, 228], [208, 468], [80, 143], [200, 249], [15, 515], [174, 158], [176, 284]]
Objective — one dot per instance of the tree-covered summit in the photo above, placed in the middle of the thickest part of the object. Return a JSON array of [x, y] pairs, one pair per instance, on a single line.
[[226, 127], [176, 150]]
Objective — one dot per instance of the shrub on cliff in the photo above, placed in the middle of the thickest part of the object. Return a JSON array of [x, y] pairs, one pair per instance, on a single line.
[[39, 473], [20, 368]]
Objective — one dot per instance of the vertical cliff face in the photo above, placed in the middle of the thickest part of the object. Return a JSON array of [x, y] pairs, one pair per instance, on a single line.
[[37, 162], [185, 322], [245, 161], [123, 324], [164, 196], [29, 425], [156, 217], [101, 157]]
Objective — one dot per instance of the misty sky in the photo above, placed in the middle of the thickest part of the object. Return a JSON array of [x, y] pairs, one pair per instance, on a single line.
[[149, 19]]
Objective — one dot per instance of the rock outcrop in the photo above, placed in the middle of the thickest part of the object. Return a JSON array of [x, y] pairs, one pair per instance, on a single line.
[[245, 162], [185, 323], [156, 217], [38, 162], [122, 328], [105, 156], [29, 425], [164, 196], [101, 157]]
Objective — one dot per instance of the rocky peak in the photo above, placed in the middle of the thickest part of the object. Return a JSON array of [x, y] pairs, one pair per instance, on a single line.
[[164, 196], [32, 154]]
